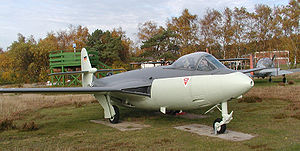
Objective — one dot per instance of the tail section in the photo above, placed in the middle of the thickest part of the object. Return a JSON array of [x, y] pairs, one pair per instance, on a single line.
[[86, 70], [87, 77], [273, 58]]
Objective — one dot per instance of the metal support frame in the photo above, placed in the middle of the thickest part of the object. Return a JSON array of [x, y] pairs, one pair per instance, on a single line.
[[64, 59], [75, 80]]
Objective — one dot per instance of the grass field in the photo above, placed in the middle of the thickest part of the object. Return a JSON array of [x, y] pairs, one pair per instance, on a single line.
[[63, 123]]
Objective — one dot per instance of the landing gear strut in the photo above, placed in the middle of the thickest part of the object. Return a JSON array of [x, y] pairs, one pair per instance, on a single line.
[[219, 124], [270, 79], [284, 79], [111, 112]]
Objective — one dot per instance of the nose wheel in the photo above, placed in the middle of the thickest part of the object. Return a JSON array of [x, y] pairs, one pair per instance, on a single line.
[[219, 124], [219, 129]]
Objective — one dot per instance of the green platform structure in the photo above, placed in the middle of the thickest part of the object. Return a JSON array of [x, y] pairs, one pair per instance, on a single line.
[[68, 60]]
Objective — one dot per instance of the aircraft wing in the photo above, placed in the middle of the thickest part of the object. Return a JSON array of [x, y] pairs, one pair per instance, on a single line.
[[74, 90], [280, 72], [295, 70], [234, 59], [277, 71], [251, 70]]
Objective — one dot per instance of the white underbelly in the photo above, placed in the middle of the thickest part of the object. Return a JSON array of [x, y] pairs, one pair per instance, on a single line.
[[197, 91]]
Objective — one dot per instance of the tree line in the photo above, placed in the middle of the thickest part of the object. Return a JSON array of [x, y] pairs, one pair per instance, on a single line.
[[27, 59], [225, 34]]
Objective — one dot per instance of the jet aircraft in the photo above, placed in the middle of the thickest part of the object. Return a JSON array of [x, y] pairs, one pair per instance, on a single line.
[[193, 81], [268, 68]]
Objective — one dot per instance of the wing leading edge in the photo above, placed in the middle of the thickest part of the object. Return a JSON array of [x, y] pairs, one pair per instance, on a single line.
[[251, 70], [76, 90]]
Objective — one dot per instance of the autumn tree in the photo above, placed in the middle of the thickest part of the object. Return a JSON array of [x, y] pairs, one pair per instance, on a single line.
[[41, 55], [146, 31], [161, 46], [21, 53], [239, 30], [263, 23], [110, 47], [127, 43], [7, 74], [225, 32], [209, 31], [291, 30], [186, 29], [73, 34]]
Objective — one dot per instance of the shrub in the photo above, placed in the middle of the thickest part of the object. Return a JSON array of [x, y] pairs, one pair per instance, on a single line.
[[78, 104], [296, 115], [30, 126], [281, 84], [280, 116], [250, 99], [291, 82], [94, 101], [7, 124]]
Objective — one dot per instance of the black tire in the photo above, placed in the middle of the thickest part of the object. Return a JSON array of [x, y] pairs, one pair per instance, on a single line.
[[173, 112], [115, 119], [223, 127], [109, 74], [284, 79]]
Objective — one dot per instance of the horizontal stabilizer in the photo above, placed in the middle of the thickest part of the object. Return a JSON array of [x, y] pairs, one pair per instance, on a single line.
[[78, 72], [71, 72]]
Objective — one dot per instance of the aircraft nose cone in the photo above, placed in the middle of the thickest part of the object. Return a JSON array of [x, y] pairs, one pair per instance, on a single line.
[[246, 82], [251, 83]]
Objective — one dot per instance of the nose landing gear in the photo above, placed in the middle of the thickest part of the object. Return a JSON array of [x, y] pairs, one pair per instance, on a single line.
[[219, 124]]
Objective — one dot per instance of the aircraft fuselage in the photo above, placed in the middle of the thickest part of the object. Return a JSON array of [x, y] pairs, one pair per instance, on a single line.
[[177, 89]]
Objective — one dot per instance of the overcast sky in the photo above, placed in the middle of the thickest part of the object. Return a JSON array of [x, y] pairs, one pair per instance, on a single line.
[[37, 17]]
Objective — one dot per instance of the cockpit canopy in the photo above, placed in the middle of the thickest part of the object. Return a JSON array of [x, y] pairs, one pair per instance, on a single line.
[[265, 63], [200, 61]]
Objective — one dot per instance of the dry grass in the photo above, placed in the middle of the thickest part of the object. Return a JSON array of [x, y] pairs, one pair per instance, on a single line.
[[250, 99], [289, 93], [11, 104]]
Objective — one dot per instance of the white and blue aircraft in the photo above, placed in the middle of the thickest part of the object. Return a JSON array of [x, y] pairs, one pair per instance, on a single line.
[[193, 81]]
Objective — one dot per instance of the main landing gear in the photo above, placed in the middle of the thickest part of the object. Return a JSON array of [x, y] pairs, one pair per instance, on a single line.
[[111, 112], [219, 124], [284, 79], [116, 117], [270, 79]]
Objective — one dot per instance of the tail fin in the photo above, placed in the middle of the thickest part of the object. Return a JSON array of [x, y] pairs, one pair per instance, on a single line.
[[86, 70], [273, 58], [87, 77]]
